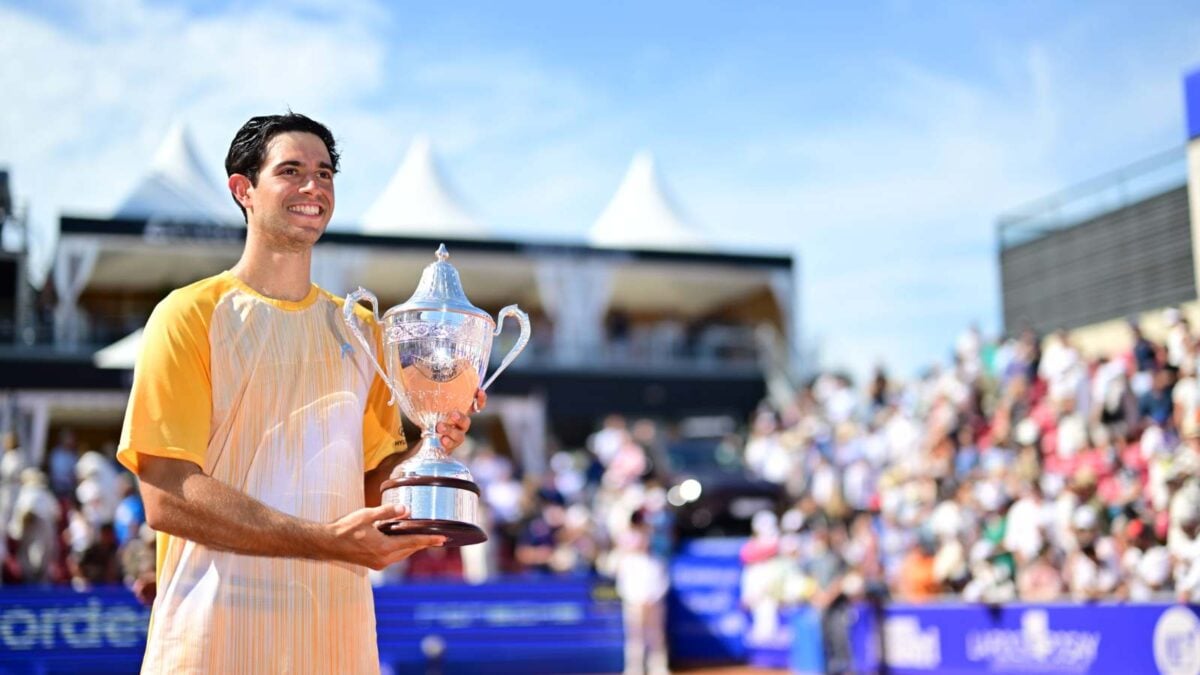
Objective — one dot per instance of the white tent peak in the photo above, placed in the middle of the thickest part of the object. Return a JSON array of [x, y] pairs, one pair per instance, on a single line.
[[642, 214], [177, 187], [418, 200]]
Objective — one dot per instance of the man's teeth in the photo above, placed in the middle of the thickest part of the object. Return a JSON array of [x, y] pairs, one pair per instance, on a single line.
[[306, 209]]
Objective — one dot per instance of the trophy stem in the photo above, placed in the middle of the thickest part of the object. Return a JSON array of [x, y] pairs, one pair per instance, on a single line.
[[430, 446]]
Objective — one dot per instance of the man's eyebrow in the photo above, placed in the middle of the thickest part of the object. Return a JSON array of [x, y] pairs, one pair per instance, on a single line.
[[298, 163]]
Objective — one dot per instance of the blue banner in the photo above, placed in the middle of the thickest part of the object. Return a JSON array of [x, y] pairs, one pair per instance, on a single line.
[[524, 625], [1191, 95], [705, 619], [1023, 638], [54, 630]]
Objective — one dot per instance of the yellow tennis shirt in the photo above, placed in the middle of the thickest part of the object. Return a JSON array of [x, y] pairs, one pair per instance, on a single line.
[[277, 400]]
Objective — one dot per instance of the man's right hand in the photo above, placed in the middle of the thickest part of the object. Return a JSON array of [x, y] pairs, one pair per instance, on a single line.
[[357, 538]]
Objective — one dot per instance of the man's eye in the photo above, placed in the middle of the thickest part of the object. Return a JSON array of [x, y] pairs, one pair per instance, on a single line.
[[325, 175], [290, 171]]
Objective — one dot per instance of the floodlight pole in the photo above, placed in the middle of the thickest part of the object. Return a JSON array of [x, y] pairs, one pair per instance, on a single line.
[[25, 333]]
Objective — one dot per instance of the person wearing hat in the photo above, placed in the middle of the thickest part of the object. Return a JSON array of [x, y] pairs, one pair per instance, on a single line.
[[1183, 540], [1091, 572], [34, 528]]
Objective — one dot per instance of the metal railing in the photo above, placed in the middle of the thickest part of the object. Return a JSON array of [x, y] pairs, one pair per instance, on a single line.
[[1104, 194], [718, 347]]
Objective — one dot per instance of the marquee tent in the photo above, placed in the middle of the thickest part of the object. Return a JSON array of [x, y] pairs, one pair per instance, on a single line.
[[641, 215], [418, 201], [177, 187]]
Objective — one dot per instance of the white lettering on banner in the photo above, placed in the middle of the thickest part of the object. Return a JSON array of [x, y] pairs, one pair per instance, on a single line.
[[907, 645], [708, 602], [731, 624], [1177, 642], [461, 615], [89, 626], [1034, 647], [689, 576], [23, 638]]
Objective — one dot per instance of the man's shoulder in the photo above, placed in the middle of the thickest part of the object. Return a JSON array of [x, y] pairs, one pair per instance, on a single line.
[[195, 301]]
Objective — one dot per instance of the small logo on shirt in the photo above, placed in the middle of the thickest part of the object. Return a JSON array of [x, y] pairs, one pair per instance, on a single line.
[[346, 349]]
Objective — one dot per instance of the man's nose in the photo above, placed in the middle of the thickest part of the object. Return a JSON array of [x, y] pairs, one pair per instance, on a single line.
[[311, 185]]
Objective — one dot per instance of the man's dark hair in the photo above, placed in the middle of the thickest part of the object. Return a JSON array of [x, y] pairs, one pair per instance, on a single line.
[[249, 146]]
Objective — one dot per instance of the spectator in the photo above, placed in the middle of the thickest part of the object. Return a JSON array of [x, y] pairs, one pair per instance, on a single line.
[[34, 530], [1040, 580], [1157, 405], [642, 584], [917, 581], [61, 462]]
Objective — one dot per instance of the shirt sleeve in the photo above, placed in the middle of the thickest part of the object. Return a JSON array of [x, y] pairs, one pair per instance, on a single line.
[[382, 435], [170, 404]]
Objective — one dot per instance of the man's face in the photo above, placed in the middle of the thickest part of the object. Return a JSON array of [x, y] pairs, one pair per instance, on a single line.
[[293, 201]]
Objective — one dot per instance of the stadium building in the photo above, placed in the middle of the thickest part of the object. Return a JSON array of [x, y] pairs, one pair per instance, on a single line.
[[1119, 248], [646, 317]]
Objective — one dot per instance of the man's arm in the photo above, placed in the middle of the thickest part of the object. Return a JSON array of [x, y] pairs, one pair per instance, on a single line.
[[182, 500]]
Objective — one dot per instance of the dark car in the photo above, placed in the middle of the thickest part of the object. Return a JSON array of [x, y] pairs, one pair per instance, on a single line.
[[712, 492]]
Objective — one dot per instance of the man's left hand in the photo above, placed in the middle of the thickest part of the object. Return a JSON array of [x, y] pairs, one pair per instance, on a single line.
[[454, 430]]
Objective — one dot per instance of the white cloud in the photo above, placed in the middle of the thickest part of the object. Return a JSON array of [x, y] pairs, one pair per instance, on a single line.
[[892, 206], [99, 92]]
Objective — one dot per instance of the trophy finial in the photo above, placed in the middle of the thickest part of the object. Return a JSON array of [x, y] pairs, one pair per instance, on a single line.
[[442, 253]]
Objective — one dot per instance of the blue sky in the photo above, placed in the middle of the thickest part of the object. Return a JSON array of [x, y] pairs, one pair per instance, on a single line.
[[879, 140]]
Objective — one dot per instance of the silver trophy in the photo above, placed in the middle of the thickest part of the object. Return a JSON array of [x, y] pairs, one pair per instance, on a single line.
[[436, 347]]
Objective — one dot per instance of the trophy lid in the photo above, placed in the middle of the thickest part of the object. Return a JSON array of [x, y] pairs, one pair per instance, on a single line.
[[440, 290]]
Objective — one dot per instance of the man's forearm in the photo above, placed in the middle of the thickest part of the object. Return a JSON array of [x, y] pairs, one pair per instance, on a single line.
[[209, 512]]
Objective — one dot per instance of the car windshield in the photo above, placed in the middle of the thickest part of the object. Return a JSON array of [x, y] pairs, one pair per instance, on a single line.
[[704, 457]]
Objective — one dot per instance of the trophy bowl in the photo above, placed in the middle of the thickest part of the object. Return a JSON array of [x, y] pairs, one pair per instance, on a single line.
[[436, 349]]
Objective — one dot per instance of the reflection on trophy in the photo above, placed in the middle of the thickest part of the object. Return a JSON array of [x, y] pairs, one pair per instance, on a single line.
[[436, 347]]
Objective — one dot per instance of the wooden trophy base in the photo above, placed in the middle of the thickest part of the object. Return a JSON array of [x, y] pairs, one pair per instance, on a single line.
[[456, 533]]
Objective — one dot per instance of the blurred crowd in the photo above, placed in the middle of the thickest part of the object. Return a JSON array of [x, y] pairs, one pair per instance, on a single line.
[[1021, 471], [77, 519], [1024, 471]]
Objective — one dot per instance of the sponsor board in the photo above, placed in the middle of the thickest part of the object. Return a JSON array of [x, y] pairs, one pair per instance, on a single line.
[[1019, 638], [1177, 642]]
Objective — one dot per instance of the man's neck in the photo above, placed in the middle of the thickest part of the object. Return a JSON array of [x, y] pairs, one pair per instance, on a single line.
[[283, 275]]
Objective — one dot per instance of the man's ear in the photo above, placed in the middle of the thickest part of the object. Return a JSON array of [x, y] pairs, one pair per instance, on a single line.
[[241, 187]]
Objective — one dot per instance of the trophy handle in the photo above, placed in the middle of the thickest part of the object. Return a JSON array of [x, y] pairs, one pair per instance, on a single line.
[[523, 319], [348, 318]]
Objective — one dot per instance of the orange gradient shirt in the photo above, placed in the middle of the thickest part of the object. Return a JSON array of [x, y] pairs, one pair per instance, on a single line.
[[277, 400]]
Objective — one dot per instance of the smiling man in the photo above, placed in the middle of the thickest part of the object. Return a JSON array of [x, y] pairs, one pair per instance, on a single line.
[[261, 443]]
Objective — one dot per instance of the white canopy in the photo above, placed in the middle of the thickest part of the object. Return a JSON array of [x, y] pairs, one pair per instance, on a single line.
[[178, 188], [642, 215], [122, 354], [418, 201]]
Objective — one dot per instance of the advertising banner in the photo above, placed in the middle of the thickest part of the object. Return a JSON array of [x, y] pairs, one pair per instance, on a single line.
[[705, 619], [1022, 638], [524, 625]]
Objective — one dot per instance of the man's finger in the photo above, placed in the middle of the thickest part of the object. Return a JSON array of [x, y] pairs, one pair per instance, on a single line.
[[386, 512], [399, 540]]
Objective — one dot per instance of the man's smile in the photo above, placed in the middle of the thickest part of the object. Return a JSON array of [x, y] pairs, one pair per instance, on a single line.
[[307, 209]]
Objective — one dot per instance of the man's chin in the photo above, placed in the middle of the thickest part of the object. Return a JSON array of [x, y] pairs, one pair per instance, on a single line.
[[295, 236]]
